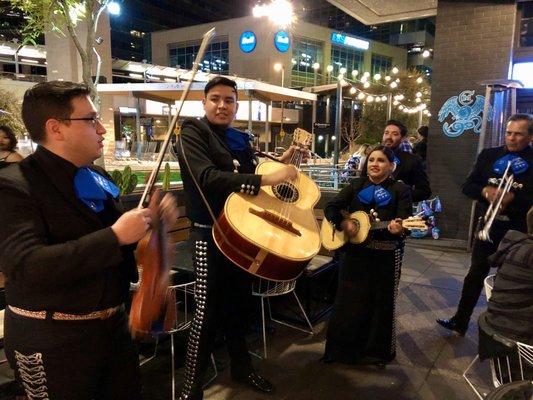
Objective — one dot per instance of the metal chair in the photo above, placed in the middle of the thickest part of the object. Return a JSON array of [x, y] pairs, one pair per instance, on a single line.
[[265, 289], [488, 283], [184, 294], [508, 359]]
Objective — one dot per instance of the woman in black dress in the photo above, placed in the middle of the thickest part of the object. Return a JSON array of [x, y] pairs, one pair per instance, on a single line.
[[362, 327]]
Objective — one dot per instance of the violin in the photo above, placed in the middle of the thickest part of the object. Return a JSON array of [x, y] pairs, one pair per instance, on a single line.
[[153, 309]]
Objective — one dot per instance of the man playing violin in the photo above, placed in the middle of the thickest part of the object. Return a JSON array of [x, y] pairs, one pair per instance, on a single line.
[[66, 249], [215, 161], [491, 164]]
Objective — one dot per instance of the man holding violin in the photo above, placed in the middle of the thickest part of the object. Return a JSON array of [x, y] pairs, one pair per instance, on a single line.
[[491, 165], [66, 249]]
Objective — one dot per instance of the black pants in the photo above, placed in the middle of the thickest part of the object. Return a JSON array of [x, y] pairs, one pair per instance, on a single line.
[[223, 296], [479, 269], [73, 360]]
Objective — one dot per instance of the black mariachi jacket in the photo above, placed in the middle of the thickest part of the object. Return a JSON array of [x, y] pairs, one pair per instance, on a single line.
[[400, 205], [411, 171], [483, 171], [57, 254], [212, 164]]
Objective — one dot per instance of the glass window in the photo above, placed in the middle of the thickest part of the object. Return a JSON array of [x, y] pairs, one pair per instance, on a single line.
[[306, 52], [526, 24], [216, 58], [380, 64], [345, 57]]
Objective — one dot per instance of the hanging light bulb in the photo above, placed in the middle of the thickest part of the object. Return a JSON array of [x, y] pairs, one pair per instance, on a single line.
[[418, 94], [395, 102], [426, 112], [423, 106], [383, 98], [370, 98], [395, 70], [352, 90], [400, 107], [361, 96], [367, 74], [342, 70], [394, 85], [419, 80], [366, 85], [418, 100], [354, 73], [377, 77], [378, 99], [387, 78]]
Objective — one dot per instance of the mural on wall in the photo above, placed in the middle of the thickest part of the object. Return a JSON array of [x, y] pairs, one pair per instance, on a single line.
[[466, 112]]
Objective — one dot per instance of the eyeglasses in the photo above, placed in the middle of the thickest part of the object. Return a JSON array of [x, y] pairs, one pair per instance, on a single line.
[[94, 119]]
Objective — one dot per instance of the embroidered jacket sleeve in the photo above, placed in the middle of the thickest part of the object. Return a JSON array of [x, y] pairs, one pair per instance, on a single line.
[[213, 180], [27, 256]]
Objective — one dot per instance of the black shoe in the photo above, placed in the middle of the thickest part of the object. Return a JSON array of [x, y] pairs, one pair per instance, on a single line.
[[453, 325], [257, 382]]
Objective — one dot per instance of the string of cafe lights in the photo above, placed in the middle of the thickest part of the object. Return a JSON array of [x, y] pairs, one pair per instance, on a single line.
[[398, 99]]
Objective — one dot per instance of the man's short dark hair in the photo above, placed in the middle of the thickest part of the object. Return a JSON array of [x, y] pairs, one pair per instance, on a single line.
[[49, 100], [423, 131], [523, 117], [401, 127], [221, 80], [10, 135]]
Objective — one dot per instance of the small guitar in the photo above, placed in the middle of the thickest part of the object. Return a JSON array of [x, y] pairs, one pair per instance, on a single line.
[[332, 239]]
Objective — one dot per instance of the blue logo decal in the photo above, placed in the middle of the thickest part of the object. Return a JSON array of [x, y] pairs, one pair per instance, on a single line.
[[465, 111], [247, 41], [282, 41]]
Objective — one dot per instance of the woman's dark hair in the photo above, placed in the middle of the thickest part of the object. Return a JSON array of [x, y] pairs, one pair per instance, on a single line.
[[221, 80], [423, 131], [385, 150], [10, 135]]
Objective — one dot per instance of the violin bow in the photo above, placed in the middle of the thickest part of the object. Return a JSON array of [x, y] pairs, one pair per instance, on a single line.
[[153, 176]]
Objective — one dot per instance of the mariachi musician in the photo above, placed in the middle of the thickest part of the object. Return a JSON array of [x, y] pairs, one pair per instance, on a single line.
[[221, 161], [362, 326], [491, 164]]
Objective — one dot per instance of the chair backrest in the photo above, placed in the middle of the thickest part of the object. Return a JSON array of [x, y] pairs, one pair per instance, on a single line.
[[489, 284], [266, 288], [525, 359], [184, 295]]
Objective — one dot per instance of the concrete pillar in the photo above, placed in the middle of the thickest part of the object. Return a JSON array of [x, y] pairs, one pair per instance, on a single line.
[[473, 43]]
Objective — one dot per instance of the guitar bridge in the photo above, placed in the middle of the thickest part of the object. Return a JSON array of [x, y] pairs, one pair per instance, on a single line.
[[274, 219]]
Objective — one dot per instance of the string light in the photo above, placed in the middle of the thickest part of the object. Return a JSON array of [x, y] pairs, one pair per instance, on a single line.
[[395, 70], [352, 90], [354, 73], [394, 85], [377, 77], [361, 96], [370, 98], [419, 80], [387, 78], [366, 85]]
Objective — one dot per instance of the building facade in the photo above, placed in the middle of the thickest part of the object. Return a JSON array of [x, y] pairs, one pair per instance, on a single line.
[[250, 47]]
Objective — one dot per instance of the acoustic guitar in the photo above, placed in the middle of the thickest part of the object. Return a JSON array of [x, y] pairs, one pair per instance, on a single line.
[[272, 235], [332, 239]]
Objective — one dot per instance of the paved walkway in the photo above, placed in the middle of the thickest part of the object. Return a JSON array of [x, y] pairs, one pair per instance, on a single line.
[[429, 361]]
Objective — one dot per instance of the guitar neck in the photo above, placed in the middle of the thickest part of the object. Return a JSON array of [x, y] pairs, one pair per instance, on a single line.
[[379, 225]]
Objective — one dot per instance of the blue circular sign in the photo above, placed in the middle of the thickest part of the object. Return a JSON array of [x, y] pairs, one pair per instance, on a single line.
[[282, 41], [247, 41]]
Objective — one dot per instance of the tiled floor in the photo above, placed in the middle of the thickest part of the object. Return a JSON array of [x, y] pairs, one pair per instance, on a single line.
[[429, 360]]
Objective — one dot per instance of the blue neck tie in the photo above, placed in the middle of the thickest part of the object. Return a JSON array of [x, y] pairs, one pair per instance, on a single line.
[[518, 164], [396, 161], [93, 189], [375, 193]]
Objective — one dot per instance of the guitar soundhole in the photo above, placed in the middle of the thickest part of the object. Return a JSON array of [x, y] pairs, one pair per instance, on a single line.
[[286, 192]]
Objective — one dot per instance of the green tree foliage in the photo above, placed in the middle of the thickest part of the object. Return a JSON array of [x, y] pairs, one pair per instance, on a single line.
[[10, 112], [374, 115], [59, 16]]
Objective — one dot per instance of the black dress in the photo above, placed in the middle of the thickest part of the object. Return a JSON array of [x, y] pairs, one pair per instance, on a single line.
[[362, 325]]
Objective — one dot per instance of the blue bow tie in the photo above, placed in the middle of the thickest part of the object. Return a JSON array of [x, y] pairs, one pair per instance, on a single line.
[[92, 188], [518, 164], [237, 140], [374, 193]]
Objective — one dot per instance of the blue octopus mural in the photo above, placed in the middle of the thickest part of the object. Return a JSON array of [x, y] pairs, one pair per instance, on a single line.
[[466, 113]]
